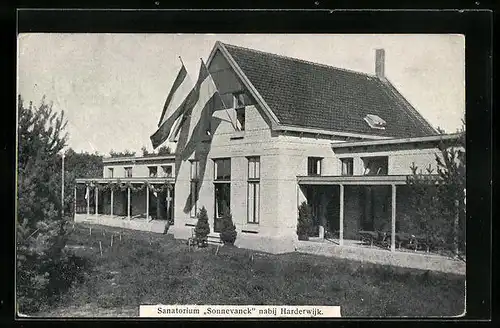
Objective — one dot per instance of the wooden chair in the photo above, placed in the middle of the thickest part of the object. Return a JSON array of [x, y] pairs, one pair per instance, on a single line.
[[403, 239], [368, 237], [192, 240], [384, 239]]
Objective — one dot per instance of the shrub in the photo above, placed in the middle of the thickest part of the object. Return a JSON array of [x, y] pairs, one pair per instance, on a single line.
[[202, 228], [228, 229], [304, 223]]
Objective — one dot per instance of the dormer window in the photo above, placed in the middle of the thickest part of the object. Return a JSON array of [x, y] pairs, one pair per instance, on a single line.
[[375, 122]]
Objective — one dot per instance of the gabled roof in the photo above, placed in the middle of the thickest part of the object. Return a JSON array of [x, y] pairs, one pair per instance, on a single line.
[[315, 96]]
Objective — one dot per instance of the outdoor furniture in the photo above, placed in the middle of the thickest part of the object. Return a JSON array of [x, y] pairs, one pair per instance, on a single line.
[[192, 241], [403, 239], [420, 242], [384, 239], [332, 234], [371, 238], [368, 237]]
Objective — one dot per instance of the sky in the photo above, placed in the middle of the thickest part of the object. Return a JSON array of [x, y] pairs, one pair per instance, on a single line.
[[112, 87]]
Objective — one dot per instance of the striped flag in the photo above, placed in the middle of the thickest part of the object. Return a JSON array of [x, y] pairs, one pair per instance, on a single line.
[[197, 126], [205, 99], [176, 129], [174, 107]]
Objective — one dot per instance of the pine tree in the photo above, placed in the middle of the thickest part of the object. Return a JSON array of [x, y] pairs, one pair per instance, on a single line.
[[304, 223], [202, 228], [228, 229], [439, 197], [40, 229]]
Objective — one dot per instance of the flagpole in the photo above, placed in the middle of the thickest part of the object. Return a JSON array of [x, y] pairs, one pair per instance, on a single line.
[[62, 186], [217, 90], [181, 61]]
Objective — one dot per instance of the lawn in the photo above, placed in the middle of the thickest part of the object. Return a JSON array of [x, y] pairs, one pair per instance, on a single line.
[[144, 268]]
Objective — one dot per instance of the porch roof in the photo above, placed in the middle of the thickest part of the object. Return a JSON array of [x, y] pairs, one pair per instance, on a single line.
[[352, 180], [138, 180]]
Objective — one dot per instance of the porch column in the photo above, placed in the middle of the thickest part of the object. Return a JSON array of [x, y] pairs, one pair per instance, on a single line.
[[341, 217], [74, 201], [393, 219], [96, 199], [112, 196], [158, 205], [128, 203], [87, 193], [169, 204], [147, 203]]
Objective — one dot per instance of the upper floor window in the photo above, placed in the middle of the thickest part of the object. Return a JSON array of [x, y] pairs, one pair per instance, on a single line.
[[153, 171], [239, 106], [167, 171], [376, 165], [314, 165], [110, 172], [253, 168], [128, 172], [222, 169], [347, 166], [194, 170]]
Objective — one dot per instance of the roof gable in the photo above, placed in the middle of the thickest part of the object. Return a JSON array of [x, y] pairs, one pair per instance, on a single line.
[[310, 95]]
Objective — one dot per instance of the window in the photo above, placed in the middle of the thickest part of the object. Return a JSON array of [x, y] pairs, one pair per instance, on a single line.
[[347, 166], [376, 165], [110, 172], [239, 106], [314, 166], [128, 172], [375, 122], [153, 171], [253, 168], [222, 185], [253, 195], [193, 198], [222, 169], [194, 170], [167, 171], [193, 189]]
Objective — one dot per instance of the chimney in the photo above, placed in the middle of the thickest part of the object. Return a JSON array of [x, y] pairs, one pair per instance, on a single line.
[[380, 63]]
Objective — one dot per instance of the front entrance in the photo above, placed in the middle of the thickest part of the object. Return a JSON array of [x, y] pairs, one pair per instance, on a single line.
[[222, 201]]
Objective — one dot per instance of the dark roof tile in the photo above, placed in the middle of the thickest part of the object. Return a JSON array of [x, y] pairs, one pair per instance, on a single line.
[[317, 96]]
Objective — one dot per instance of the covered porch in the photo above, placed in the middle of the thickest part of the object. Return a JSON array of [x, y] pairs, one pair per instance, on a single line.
[[132, 199], [362, 211]]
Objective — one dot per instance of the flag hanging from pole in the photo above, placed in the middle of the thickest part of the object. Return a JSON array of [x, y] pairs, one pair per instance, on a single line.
[[196, 124], [174, 106], [197, 128], [193, 107]]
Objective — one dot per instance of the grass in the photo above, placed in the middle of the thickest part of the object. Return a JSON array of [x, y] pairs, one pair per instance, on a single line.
[[144, 268]]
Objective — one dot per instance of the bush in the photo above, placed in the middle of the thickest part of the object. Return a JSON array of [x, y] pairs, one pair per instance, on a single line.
[[228, 229], [202, 228], [304, 222]]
